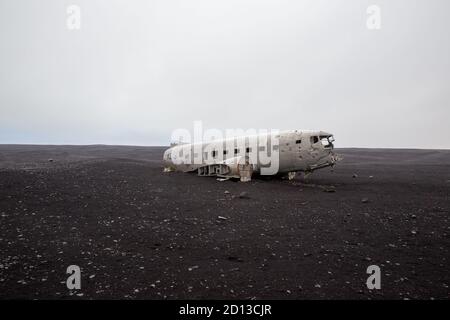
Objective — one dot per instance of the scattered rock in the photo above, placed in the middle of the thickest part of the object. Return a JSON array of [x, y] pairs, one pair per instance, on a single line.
[[222, 218], [355, 175], [244, 195], [192, 268], [237, 259], [226, 192], [329, 189], [364, 200]]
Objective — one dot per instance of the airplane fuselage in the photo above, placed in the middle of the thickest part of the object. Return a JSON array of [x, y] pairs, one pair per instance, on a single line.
[[286, 151]]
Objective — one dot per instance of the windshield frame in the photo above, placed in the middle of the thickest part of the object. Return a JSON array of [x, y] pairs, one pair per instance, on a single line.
[[327, 141]]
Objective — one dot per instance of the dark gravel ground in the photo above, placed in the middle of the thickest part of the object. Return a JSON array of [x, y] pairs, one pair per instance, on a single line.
[[137, 232]]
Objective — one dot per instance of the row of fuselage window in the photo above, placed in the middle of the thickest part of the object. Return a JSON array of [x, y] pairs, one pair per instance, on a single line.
[[215, 153]]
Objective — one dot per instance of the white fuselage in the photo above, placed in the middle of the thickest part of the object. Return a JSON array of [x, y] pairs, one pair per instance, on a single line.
[[286, 151]]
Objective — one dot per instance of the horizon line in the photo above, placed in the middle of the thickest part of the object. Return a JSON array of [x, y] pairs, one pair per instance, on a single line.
[[168, 146]]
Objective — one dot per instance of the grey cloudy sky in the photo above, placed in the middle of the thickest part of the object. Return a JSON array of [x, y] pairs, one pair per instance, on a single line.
[[137, 70]]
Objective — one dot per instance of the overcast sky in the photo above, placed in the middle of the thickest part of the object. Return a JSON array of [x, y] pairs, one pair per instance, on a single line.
[[137, 70]]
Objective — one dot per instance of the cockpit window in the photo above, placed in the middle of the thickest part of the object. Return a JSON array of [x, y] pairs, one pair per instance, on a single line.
[[314, 139], [327, 141]]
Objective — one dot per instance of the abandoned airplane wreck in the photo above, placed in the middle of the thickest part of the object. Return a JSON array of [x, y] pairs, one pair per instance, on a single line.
[[286, 152]]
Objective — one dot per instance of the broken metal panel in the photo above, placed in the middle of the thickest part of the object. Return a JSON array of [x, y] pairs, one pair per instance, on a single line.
[[214, 170]]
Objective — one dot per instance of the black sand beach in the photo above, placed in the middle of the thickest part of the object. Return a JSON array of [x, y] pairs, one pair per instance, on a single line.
[[137, 232]]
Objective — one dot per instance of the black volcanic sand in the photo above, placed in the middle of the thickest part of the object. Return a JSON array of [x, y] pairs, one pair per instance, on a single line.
[[137, 232]]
